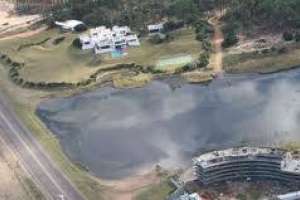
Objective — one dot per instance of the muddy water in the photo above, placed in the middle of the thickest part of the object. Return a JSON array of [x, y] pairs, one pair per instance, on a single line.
[[116, 132]]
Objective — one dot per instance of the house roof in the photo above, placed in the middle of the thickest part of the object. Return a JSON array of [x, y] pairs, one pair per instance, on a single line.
[[69, 24]]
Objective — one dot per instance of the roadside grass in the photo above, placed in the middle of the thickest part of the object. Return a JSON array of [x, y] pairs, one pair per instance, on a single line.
[[155, 192], [86, 184], [33, 189], [63, 63], [260, 63]]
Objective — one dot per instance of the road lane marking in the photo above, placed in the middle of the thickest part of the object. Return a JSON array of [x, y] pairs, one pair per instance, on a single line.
[[15, 132]]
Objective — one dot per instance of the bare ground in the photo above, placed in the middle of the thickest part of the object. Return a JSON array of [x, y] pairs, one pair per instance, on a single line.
[[216, 60], [127, 189], [12, 25]]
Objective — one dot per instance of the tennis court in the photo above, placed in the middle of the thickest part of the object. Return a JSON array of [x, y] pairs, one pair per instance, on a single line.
[[174, 61]]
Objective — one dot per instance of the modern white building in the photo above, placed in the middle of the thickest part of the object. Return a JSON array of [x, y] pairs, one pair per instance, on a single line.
[[106, 40], [155, 28]]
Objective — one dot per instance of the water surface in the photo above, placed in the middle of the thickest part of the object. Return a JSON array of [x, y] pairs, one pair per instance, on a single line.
[[115, 132]]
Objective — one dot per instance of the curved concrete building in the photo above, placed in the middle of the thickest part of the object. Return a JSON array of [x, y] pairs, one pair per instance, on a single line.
[[248, 163]]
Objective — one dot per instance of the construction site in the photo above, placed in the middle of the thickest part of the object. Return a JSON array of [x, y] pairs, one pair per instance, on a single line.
[[267, 167]]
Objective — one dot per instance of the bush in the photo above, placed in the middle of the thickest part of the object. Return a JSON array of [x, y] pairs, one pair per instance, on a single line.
[[266, 51], [203, 60], [157, 38], [203, 30], [206, 45], [297, 37], [288, 36], [230, 39], [80, 28], [76, 43], [282, 50], [58, 40], [173, 25]]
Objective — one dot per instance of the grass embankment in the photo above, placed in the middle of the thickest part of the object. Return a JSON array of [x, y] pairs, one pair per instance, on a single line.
[[131, 81], [259, 62], [86, 184], [155, 192], [198, 76]]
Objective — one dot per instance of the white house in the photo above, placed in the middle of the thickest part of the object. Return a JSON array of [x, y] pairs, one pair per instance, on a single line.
[[121, 30], [155, 28], [133, 40], [70, 25], [106, 40]]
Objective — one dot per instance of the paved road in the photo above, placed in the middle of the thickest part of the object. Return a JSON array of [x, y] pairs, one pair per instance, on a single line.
[[32, 158]]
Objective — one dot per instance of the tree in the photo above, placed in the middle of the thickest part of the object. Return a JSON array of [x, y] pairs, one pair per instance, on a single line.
[[230, 39], [186, 10]]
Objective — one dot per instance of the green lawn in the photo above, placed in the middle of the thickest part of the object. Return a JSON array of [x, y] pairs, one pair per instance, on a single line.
[[57, 63]]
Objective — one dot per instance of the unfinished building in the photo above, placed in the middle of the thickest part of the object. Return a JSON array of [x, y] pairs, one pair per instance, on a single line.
[[248, 163]]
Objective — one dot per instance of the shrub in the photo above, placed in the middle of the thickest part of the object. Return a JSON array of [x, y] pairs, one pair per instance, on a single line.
[[206, 45], [3, 56], [282, 50], [203, 30], [157, 38], [172, 25], [203, 60], [288, 36], [230, 39], [76, 43], [265, 51], [80, 28], [58, 40], [297, 37]]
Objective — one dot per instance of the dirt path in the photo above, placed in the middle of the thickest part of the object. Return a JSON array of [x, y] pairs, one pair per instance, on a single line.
[[126, 189], [12, 25], [216, 60]]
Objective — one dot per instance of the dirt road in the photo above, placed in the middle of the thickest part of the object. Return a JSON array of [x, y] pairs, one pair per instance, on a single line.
[[216, 60], [12, 25]]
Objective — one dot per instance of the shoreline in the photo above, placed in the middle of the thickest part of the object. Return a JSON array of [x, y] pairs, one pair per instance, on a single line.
[[48, 134]]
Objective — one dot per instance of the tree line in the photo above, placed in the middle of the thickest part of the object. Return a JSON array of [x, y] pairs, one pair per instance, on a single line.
[[135, 13], [277, 13]]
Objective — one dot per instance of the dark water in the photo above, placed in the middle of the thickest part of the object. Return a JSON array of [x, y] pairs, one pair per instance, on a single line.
[[114, 132]]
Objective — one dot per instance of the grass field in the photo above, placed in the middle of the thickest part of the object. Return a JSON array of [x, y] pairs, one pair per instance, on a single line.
[[260, 63], [170, 63], [63, 63], [155, 192]]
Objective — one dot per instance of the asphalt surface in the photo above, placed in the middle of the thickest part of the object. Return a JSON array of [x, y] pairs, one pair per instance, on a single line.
[[32, 157]]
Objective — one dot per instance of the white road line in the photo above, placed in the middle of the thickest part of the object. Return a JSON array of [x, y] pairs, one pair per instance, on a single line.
[[15, 132], [21, 165]]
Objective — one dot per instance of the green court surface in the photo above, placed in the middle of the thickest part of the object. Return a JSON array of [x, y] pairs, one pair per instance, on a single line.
[[174, 61]]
